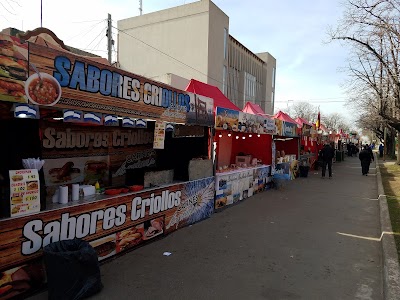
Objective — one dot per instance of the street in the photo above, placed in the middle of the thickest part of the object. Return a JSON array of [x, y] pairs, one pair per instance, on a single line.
[[313, 239]]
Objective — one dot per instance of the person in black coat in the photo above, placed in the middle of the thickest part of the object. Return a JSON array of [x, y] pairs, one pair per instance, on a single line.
[[365, 157], [327, 154]]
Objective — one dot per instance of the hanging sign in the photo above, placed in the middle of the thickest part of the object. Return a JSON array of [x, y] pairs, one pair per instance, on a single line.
[[159, 135]]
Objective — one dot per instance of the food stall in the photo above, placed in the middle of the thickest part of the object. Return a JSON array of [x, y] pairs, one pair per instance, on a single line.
[[243, 155], [308, 143], [285, 147], [96, 153]]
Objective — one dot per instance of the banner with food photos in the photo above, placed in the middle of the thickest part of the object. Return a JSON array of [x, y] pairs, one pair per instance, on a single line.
[[111, 225], [232, 187], [232, 120], [24, 192], [36, 74]]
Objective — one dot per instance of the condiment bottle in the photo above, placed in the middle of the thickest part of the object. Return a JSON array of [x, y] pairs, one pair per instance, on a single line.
[[97, 186]]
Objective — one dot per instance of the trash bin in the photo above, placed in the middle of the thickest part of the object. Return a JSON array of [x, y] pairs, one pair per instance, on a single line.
[[304, 171], [72, 269]]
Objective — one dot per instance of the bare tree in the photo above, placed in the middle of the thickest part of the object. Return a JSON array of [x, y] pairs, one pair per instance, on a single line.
[[372, 30], [303, 110], [335, 121]]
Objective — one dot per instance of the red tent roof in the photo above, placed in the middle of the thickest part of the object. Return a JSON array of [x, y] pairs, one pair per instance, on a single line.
[[302, 121], [210, 91], [284, 117], [253, 108]]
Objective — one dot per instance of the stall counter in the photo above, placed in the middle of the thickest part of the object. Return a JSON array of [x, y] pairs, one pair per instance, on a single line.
[[112, 224], [236, 185]]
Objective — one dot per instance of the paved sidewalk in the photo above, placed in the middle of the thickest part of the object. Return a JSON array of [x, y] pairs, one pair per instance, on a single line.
[[314, 239]]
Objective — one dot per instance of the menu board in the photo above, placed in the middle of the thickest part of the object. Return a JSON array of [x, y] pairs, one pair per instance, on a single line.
[[24, 192], [159, 135]]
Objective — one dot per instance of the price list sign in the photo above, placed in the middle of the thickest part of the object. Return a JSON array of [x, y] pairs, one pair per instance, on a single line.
[[159, 135], [24, 192]]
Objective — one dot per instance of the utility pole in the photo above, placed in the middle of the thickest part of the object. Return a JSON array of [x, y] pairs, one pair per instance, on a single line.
[[41, 13], [109, 39], [140, 7]]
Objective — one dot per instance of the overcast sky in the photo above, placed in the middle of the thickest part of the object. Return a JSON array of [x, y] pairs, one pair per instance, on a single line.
[[294, 32]]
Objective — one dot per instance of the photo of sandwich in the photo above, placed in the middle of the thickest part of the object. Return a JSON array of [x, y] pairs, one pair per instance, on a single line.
[[65, 173], [153, 228], [13, 69], [32, 185], [20, 280], [105, 247], [16, 199], [95, 170], [130, 237], [17, 177]]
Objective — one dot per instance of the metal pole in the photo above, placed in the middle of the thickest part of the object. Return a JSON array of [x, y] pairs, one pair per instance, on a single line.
[[140, 7], [109, 39], [41, 13]]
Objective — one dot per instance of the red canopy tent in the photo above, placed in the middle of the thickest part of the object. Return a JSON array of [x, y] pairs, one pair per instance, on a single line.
[[284, 117], [302, 121], [289, 145], [307, 143], [253, 108], [204, 89], [262, 152]]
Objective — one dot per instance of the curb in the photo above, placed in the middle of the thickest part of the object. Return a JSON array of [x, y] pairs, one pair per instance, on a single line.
[[391, 269]]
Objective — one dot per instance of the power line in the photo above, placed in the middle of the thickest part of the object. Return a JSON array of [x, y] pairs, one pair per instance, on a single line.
[[85, 33], [88, 21], [166, 54], [177, 60], [216, 80], [321, 101], [101, 32]]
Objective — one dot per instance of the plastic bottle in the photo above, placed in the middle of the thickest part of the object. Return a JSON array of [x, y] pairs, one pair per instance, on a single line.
[[97, 186]]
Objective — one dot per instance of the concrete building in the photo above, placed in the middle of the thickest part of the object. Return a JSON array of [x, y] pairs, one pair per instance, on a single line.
[[193, 41]]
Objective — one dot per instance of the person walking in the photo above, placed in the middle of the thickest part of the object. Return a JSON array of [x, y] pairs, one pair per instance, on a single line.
[[365, 158], [327, 154], [381, 150]]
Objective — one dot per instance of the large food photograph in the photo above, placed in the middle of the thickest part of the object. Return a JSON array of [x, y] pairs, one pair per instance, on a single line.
[[42, 89], [105, 247], [85, 170], [153, 228], [19, 280], [13, 69], [129, 238], [227, 119]]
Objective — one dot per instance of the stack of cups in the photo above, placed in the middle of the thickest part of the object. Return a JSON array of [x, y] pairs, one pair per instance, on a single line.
[[63, 194], [75, 192]]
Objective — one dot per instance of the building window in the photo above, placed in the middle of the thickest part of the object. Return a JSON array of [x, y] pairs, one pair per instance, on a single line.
[[224, 80], [272, 98], [273, 77], [249, 87], [225, 43]]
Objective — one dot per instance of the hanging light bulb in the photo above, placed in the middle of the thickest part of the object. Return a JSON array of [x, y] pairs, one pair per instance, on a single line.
[[237, 137], [229, 134], [250, 135], [220, 135], [258, 135], [244, 137]]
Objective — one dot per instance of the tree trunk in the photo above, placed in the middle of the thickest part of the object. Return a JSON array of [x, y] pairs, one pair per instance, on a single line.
[[398, 148]]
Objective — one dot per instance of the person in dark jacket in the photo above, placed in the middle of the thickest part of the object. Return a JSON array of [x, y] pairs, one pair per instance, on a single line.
[[365, 157], [381, 150], [327, 154]]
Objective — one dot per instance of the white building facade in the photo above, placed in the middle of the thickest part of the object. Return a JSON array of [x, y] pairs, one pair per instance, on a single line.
[[193, 41]]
